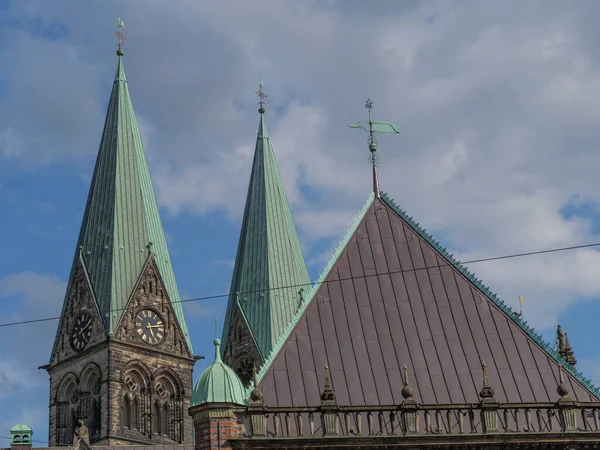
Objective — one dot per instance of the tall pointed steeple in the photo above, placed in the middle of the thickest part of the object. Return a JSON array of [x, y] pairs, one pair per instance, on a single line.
[[122, 313], [121, 225], [269, 271]]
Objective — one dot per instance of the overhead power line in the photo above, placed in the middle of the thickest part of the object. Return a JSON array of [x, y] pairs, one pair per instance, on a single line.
[[213, 297]]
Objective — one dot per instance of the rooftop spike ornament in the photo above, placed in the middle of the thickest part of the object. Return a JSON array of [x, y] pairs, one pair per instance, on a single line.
[[375, 127], [120, 37], [261, 98]]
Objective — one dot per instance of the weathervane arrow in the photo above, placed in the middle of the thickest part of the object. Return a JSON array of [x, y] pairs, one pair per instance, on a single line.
[[375, 126]]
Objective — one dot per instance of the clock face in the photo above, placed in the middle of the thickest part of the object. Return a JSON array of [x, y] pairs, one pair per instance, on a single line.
[[82, 332], [149, 326]]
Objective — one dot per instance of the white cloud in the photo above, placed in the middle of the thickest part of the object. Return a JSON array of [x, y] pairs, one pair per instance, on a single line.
[[498, 115], [32, 293], [14, 377]]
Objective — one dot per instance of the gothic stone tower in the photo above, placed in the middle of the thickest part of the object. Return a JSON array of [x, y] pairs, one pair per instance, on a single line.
[[269, 273], [122, 359]]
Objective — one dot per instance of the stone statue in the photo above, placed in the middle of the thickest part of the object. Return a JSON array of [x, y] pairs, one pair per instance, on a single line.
[[82, 433], [560, 339]]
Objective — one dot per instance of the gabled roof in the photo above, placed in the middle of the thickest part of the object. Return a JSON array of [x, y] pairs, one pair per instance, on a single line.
[[121, 224], [393, 296], [269, 258]]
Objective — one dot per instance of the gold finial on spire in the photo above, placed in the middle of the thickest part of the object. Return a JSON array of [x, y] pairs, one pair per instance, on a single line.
[[261, 98], [120, 37]]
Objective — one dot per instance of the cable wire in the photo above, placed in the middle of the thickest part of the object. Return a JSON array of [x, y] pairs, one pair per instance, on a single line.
[[213, 297]]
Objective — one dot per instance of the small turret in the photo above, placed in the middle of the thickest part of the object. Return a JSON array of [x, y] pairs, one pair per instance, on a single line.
[[218, 393], [20, 437]]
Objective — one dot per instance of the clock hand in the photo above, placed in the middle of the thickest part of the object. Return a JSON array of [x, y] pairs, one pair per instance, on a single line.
[[84, 328], [153, 326], [149, 327]]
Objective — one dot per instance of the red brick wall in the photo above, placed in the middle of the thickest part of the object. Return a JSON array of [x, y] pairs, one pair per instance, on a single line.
[[207, 432]]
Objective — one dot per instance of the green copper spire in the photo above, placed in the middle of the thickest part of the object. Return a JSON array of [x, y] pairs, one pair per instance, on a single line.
[[121, 225], [269, 269]]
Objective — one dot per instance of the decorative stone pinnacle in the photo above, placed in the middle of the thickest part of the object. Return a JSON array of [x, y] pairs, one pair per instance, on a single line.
[[327, 395], [256, 395], [407, 390], [486, 391]]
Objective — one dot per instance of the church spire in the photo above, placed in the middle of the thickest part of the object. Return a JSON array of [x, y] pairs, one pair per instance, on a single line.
[[269, 269], [121, 227]]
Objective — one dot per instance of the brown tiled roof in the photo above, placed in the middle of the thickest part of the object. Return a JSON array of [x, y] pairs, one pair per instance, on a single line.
[[392, 299]]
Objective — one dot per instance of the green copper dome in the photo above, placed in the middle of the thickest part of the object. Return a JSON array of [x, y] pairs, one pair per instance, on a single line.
[[218, 384]]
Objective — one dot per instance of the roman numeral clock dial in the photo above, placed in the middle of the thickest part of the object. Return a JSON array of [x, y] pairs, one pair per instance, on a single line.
[[150, 326], [81, 333]]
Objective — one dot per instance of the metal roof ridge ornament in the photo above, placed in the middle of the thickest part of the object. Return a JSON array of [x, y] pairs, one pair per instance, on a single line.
[[375, 127], [120, 37]]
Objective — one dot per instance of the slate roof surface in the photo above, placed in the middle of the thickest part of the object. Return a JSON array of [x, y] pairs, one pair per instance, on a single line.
[[269, 268], [391, 298], [121, 216]]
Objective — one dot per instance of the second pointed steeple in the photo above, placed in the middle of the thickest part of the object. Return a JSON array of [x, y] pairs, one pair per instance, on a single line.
[[269, 271]]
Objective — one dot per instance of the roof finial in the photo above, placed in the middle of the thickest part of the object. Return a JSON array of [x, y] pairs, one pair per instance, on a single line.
[[120, 37], [217, 342], [562, 388], [568, 353], [261, 98], [375, 127], [486, 391], [256, 395], [327, 395], [407, 390]]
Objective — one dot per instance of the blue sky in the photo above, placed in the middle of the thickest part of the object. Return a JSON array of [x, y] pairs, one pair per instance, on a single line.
[[498, 106]]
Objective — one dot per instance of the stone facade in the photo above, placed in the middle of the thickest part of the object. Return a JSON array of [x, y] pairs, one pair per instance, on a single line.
[[241, 353], [126, 391]]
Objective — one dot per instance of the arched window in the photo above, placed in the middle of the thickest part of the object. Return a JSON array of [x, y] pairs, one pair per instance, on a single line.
[[135, 414], [127, 413], [67, 403], [136, 399], [90, 386], [158, 419], [169, 399]]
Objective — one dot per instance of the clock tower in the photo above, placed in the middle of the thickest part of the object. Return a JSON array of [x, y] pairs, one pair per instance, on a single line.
[[122, 358]]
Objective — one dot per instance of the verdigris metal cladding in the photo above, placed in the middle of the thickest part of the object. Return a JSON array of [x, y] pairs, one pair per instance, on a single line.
[[392, 298], [121, 224], [269, 269]]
